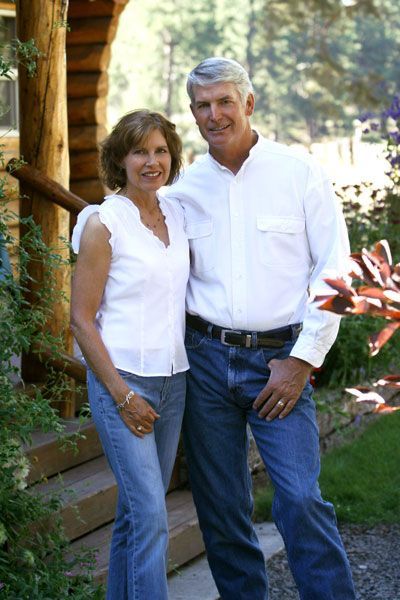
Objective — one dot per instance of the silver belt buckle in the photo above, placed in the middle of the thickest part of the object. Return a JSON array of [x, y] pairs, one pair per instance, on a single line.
[[225, 331], [223, 334]]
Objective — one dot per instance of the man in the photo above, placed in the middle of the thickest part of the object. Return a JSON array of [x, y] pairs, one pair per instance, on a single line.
[[265, 228]]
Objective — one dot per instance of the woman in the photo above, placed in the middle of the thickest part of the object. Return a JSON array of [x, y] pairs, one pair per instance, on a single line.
[[128, 303]]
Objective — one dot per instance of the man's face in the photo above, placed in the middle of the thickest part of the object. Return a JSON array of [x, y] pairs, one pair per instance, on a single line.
[[221, 116]]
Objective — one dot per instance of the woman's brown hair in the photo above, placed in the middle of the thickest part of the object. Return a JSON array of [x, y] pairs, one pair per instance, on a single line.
[[130, 132]]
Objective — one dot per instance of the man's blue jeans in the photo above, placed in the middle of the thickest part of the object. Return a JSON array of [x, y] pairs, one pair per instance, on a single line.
[[142, 468], [223, 382]]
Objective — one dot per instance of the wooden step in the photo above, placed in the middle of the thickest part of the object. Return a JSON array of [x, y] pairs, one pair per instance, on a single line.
[[49, 456], [88, 493], [185, 537]]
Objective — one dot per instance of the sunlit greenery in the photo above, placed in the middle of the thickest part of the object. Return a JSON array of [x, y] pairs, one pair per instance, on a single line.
[[361, 478]]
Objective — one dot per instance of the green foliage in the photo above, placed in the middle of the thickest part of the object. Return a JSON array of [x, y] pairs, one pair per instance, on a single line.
[[368, 216], [361, 493], [315, 65], [33, 565]]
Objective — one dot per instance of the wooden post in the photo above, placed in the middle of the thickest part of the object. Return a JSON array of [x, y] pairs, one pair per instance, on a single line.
[[44, 145]]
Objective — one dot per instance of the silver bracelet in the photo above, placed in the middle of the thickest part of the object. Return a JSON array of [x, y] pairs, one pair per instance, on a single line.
[[128, 397]]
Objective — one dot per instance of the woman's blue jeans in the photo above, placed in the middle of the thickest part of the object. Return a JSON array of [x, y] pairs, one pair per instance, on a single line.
[[223, 382], [142, 468]]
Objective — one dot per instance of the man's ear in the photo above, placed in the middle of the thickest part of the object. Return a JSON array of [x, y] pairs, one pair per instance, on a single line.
[[193, 113], [250, 102]]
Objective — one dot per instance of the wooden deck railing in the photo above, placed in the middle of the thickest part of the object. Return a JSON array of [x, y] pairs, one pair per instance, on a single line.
[[57, 194], [52, 190]]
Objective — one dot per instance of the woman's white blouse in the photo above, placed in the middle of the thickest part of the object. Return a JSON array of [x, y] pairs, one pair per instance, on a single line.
[[141, 317]]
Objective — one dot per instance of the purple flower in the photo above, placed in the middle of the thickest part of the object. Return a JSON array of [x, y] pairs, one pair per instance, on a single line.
[[395, 136], [394, 109], [366, 116]]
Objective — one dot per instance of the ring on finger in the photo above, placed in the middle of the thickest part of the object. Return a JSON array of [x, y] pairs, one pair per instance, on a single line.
[[280, 403], [139, 428]]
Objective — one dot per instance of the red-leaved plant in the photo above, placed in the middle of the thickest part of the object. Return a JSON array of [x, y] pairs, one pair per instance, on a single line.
[[379, 296]]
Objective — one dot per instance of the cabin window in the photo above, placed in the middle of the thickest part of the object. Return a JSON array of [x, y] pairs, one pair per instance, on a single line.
[[8, 85]]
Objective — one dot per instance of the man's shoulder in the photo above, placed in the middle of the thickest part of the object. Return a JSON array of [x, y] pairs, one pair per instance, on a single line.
[[295, 152]]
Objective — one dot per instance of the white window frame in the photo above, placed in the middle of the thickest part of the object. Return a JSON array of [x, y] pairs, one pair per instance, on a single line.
[[14, 109]]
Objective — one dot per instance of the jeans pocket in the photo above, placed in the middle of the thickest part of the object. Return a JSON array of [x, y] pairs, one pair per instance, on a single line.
[[193, 339], [124, 374]]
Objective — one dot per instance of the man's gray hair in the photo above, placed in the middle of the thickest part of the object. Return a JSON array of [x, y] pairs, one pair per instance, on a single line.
[[219, 70]]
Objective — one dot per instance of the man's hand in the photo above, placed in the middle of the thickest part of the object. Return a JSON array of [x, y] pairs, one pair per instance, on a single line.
[[287, 380]]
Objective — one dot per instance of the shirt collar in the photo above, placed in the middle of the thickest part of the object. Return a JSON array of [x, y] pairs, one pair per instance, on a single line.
[[254, 150]]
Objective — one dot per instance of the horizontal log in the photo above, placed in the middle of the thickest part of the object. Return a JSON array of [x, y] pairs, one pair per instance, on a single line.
[[65, 363], [85, 138], [91, 31], [87, 111], [83, 165], [92, 190], [92, 57], [96, 8], [84, 85], [50, 189], [10, 6]]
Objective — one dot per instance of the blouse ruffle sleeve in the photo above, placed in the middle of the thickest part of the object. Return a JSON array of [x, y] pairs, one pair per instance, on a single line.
[[80, 225], [106, 215]]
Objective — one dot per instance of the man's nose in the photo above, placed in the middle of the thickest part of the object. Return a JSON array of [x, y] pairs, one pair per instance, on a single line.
[[215, 112]]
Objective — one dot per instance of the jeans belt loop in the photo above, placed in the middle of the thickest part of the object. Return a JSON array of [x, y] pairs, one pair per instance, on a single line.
[[254, 343], [209, 330]]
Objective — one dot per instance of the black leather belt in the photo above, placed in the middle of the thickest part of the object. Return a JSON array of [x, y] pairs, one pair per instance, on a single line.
[[275, 338]]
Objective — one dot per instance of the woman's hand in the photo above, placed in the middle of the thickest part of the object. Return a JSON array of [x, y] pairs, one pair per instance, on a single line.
[[139, 416]]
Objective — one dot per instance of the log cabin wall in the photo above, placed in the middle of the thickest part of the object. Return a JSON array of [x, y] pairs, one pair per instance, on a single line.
[[93, 25]]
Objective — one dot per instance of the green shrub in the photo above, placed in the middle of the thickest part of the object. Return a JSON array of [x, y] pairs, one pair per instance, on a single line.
[[368, 215]]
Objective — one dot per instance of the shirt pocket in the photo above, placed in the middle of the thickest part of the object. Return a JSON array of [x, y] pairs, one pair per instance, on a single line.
[[281, 240], [202, 245]]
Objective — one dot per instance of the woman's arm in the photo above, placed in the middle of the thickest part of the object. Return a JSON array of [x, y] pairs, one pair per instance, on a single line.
[[88, 284]]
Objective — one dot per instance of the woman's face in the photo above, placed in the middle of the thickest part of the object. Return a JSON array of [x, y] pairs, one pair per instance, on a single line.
[[147, 166]]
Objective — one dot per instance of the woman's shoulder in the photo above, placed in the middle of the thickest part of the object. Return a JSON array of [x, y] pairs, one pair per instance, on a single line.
[[171, 205], [108, 212]]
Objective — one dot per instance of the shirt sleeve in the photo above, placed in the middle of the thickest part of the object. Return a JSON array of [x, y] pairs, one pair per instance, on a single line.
[[80, 225], [329, 247], [107, 216]]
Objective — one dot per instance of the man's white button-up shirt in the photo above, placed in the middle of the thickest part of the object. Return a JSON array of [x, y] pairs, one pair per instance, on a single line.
[[261, 243]]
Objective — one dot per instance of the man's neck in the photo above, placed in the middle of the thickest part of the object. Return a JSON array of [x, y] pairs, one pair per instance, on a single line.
[[234, 157]]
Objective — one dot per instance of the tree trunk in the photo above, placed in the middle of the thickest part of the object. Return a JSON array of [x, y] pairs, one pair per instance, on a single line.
[[44, 145]]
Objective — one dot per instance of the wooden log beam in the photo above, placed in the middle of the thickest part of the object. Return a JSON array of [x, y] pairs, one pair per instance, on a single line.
[[85, 85], [90, 189], [88, 58], [87, 111], [47, 188], [65, 363], [44, 145], [84, 165], [85, 138], [92, 31], [96, 8]]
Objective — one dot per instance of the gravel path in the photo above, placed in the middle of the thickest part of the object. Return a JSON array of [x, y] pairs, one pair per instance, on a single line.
[[374, 554]]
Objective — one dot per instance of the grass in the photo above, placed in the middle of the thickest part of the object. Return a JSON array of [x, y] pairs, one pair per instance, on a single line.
[[361, 478]]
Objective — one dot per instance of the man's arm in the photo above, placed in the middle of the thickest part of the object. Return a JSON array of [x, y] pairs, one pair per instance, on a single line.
[[329, 247]]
